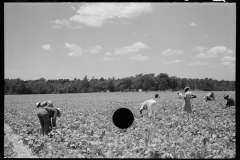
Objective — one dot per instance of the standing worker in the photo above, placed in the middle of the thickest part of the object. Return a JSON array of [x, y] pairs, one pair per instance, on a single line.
[[230, 101], [210, 96], [44, 104], [47, 117], [187, 103]]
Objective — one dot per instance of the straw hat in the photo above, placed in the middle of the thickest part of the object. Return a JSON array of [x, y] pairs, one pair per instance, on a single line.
[[186, 88], [225, 96], [59, 112], [37, 104]]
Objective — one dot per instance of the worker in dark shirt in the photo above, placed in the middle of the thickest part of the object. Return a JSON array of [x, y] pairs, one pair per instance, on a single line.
[[230, 101], [47, 117]]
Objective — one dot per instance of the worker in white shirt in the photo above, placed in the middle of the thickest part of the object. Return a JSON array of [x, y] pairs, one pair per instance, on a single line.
[[210, 96], [180, 95], [150, 106]]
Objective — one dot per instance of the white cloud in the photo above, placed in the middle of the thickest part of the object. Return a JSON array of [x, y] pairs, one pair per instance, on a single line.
[[227, 63], [108, 54], [228, 58], [169, 52], [73, 8], [46, 47], [132, 49], [145, 34], [172, 61], [204, 55], [192, 24], [200, 48], [215, 52], [64, 23], [138, 57], [76, 50], [95, 49], [215, 66], [96, 14], [198, 63], [109, 58]]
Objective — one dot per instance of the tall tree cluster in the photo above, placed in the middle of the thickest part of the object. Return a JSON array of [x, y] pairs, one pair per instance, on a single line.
[[146, 82]]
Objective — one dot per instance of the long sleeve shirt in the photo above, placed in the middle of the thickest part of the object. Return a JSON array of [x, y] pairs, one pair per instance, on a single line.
[[230, 102], [148, 105], [53, 115]]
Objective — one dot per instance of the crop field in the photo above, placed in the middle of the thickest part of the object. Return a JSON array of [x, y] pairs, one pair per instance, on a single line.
[[86, 130]]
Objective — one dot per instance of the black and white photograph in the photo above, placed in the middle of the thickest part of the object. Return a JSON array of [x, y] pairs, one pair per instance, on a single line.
[[119, 80]]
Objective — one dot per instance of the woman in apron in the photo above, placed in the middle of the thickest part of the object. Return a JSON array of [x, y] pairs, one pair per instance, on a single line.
[[187, 103]]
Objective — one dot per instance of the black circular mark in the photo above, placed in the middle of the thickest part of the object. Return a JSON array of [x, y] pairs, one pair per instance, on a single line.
[[123, 118]]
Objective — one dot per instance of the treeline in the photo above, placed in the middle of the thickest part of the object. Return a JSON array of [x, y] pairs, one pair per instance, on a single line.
[[145, 82]]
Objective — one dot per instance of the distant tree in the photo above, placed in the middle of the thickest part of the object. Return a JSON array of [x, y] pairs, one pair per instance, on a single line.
[[163, 85], [173, 81]]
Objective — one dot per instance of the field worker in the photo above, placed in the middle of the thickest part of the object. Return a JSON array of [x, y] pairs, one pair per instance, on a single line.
[[187, 103], [150, 106], [157, 96], [44, 104], [47, 117], [210, 96], [180, 95], [230, 101]]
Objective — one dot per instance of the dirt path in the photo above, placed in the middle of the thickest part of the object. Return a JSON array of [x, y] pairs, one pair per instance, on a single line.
[[19, 148]]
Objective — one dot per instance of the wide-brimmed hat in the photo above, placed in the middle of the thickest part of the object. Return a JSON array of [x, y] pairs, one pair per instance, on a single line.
[[186, 88], [225, 96], [37, 104], [59, 112]]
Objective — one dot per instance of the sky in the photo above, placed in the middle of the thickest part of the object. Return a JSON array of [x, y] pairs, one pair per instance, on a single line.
[[72, 40]]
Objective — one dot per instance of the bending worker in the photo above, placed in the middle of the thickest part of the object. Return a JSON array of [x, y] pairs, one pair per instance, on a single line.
[[150, 106], [230, 101], [47, 117], [44, 104], [210, 96]]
